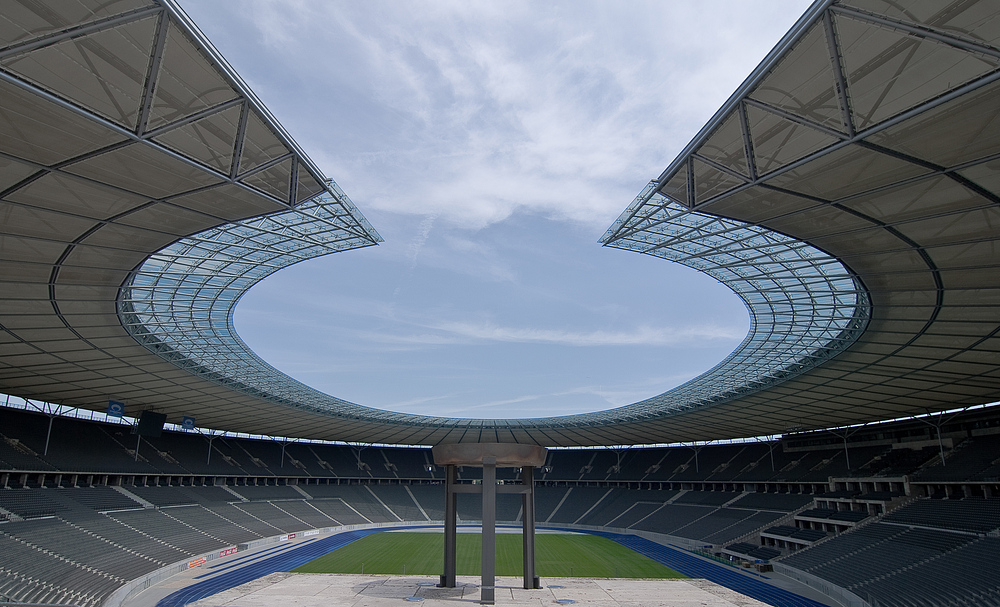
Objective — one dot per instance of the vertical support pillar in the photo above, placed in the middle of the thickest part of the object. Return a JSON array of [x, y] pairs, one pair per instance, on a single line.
[[487, 587], [450, 528], [528, 527], [48, 434]]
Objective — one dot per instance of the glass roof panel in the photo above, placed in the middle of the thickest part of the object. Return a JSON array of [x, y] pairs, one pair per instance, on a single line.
[[710, 181], [144, 170], [803, 83], [260, 144], [274, 180], [960, 131], [805, 305], [848, 171], [36, 250], [45, 133], [936, 196], [792, 333], [758, 204], [726, 146], [985, 175], [778, 141], [125, 237], [187, 81], [12, 171], [677, 187], [210, 140], [75, 196], [24, 21], [981, 254], [104, 72], [195, 331], [171, 219], [974, 20], [978, 224], [307, 186], [889, 72]]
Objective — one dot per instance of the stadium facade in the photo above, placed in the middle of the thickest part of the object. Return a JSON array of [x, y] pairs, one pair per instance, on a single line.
[[847, 192]]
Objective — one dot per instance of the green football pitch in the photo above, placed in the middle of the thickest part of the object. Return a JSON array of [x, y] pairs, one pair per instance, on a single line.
[[556, 555]]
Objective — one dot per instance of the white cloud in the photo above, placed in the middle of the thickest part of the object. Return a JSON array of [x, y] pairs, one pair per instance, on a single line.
[[474, 111], [460, 129], [640, 336]]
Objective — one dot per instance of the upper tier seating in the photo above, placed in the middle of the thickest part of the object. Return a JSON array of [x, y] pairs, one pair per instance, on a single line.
[[970, 514], [976, 458], [782, 502]]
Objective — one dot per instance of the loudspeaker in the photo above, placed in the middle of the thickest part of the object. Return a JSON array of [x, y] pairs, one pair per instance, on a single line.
[[151, 424]]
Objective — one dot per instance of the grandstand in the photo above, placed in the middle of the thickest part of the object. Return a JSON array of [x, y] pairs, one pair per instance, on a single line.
[[847, 192], [856, 531]]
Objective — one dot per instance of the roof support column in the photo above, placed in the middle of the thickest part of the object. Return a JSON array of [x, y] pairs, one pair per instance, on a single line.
[[450, 528], [488, 586], [528, 527]]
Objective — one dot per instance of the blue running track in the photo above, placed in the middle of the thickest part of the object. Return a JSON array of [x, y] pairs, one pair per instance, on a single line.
[[723, 575], [678, 560], [282, 561]]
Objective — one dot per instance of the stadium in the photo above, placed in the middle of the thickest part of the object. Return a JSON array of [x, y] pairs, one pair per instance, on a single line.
[[848, 192]]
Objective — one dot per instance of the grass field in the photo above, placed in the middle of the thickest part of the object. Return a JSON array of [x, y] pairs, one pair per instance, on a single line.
[[556, 555]]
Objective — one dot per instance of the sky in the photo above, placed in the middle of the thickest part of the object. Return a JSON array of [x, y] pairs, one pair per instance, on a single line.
[[491, 144]]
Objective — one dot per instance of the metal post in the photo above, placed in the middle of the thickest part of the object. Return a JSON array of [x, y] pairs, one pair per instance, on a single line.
[[282, 454], [49, 434], [487, 588], [450, 528], [138, 439], [847, 453], [209, 460], [940, 444], [528, 527]]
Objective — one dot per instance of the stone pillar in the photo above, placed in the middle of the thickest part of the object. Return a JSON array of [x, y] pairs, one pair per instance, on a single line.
[[487, 587], [450, 528], [528, 527]]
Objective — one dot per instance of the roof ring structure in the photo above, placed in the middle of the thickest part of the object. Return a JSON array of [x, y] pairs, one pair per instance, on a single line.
[[145, 188], [805, 305]]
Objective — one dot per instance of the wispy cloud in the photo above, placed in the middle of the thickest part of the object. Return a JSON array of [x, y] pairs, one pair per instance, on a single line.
[[640, 336], [420, 402], [474, 111], [470, 134]]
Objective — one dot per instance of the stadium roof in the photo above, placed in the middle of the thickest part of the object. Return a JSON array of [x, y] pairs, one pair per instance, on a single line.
[[848, 192]]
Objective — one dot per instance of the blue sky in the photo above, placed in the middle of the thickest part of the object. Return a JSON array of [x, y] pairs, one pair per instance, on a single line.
[[492, 144]]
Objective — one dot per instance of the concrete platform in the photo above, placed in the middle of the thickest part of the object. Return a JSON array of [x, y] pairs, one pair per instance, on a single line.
[[322, 590]]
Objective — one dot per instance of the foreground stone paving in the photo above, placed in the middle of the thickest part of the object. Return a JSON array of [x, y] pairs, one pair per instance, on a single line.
[[316, 590]]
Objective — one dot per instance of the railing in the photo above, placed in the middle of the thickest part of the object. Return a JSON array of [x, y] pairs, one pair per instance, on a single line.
[[841, 595]]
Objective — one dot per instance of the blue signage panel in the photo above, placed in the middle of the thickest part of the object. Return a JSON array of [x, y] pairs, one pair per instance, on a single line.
[[116, 408]]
